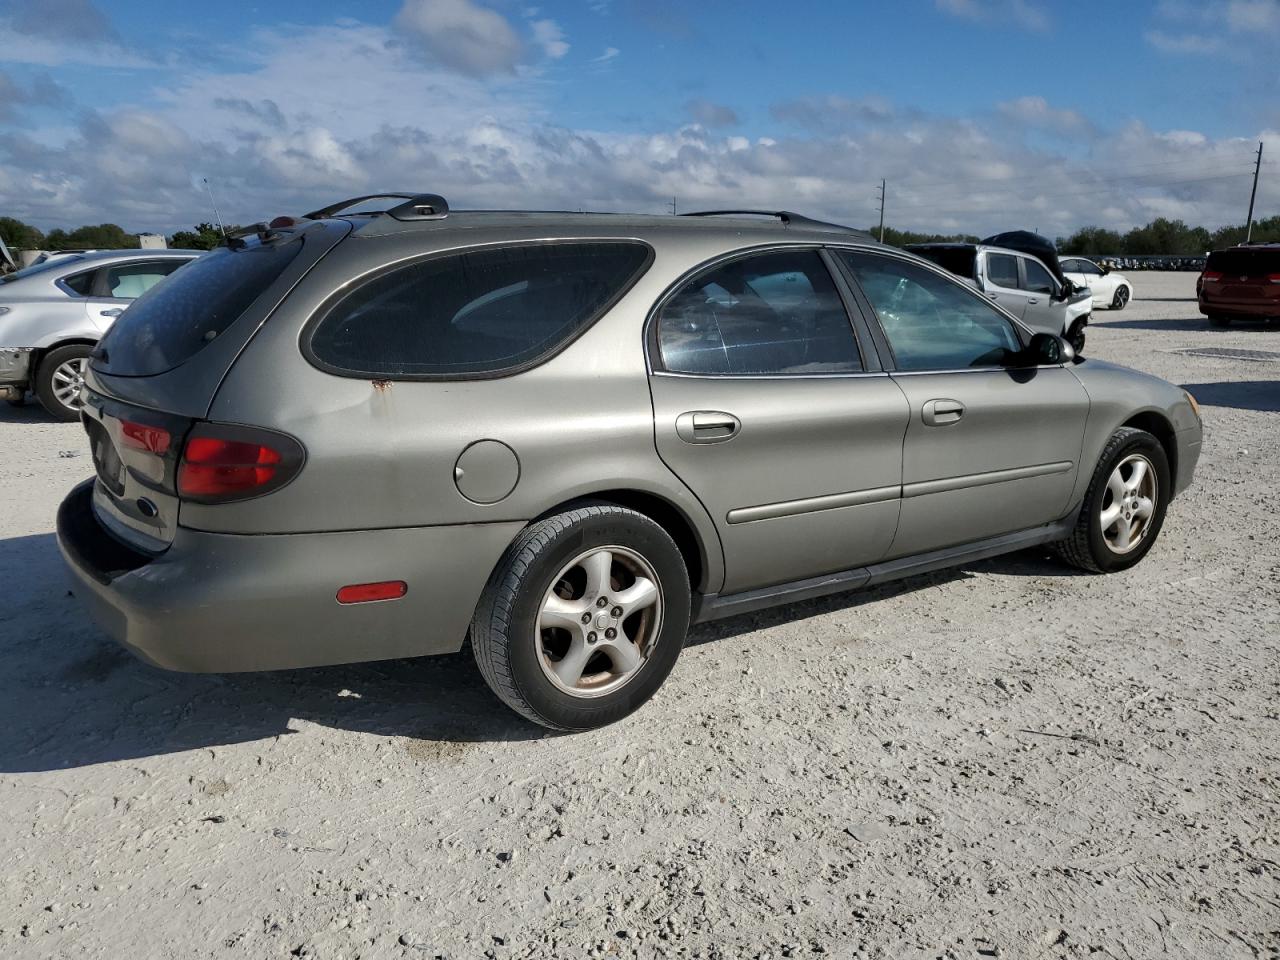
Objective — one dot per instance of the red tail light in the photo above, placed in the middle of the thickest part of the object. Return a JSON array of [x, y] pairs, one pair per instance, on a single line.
[[1274, 277], [1211, 276], [222, 462], [144, 436]]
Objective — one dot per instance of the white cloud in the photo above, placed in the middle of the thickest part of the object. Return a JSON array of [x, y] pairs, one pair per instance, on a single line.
[[610, 53], [1036, 112], [1253, 15], [463, 35], [549, 36], [287, 133], [711, 114], [1022, 14]]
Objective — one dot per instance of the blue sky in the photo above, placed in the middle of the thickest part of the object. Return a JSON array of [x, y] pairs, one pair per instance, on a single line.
[[982, 114]]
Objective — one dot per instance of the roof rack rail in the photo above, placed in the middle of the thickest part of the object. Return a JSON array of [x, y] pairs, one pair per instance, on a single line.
[[786, 216], [416, 206]]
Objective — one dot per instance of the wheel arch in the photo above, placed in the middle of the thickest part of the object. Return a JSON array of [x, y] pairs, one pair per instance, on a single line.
[[667, 515], [39, 353], [1159, 427]]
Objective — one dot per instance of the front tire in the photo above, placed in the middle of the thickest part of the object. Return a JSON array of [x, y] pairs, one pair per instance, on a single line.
[[1124, 507], [59, 379], [1121, 298], [1076, 335], [583, 618]]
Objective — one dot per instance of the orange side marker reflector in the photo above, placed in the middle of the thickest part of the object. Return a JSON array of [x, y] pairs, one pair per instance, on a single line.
[[366, 592]]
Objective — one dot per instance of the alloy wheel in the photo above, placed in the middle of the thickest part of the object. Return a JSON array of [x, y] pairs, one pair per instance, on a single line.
[[599, 621], [1129, 503], [68, 378]]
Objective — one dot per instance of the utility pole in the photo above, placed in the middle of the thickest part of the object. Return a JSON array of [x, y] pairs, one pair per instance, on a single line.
[[1248, 230], [882, 192], [673, 206], [214, 204]]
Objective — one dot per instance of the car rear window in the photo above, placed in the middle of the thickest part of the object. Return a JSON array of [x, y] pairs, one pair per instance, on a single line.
[[1244, 262], [177, 318], [483, 312]]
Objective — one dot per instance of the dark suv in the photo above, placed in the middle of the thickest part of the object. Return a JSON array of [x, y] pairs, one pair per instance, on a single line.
[[1241, 283]]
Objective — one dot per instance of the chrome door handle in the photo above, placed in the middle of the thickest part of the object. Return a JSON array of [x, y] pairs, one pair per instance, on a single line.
[[993, 296], [939, 413], [113, 312], [1034, 300], [707, 426]]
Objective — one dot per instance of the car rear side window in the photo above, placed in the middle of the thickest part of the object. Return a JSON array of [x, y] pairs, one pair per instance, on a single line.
[[485, 312], [1002, 270], [174, 320], [128, 281], [768, 314]]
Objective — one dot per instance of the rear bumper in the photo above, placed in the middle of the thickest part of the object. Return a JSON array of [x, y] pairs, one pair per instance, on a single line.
[[229, 603], [15, 366], [1261, 309]]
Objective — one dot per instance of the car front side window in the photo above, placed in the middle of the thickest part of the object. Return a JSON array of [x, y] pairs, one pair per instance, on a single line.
[[932, 323], [1039, 280], [1002, 270], [775, 313]]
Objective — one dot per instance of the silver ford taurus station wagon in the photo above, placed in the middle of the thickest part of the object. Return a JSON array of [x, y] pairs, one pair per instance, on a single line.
[[566, 437]]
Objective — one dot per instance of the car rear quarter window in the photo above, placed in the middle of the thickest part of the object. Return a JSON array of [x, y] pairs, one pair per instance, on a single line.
[[80, 284], [480, 313], [770, 314], [172, 321]]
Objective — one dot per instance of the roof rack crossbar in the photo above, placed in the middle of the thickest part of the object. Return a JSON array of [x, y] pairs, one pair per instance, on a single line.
[[416, 206], [786, 216]]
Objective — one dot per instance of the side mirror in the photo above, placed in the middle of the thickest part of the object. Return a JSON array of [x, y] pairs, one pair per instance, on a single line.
[[1047, 350], [1104, 268]]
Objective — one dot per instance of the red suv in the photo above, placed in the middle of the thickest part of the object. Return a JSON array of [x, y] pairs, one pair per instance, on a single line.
[[1241, 282]]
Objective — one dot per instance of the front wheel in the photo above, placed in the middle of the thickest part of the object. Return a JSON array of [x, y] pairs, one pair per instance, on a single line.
[[59, 379], [1124, 507], [1076, 336], [583, 618], [1121, 298]]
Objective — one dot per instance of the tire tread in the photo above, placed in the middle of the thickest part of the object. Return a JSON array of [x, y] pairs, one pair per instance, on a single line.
[[1075, 549]]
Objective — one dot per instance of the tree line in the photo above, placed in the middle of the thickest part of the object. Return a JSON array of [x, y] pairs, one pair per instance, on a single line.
[[1161, 236], [103, 236]]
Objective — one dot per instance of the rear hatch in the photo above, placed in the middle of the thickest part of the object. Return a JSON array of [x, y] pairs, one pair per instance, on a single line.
[[153, 377], [1242, 275]]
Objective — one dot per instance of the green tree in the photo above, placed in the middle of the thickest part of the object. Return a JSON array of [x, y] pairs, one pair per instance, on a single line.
[[20, 236], [1091, 242], [204, 236], [900, 238], [104, 236]]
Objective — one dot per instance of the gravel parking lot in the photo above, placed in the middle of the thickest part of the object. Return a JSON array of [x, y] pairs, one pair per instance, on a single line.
[[1007, 759]]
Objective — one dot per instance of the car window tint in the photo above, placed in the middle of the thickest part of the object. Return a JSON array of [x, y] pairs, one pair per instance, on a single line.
[[1089, 268], [1039, 280], [128, 281], [1002, 270], [773, 313], [175, 320], [932, 323], [81, 284], [482, 312]]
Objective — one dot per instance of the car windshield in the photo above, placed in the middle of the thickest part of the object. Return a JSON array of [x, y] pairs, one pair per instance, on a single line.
[[31, 271]]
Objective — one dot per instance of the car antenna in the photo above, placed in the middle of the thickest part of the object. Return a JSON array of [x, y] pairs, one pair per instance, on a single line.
[[213, 203]]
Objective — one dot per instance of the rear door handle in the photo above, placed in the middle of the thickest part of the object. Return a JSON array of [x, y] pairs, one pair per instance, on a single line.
[[993, 296], [707, 426], [1034, 300], [113, 312], [939, 413]]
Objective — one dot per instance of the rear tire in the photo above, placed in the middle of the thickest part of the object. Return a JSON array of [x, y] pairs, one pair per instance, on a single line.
[[1124, 507], [59, 378], [612, 567], [1218, 320], [1121, 298]]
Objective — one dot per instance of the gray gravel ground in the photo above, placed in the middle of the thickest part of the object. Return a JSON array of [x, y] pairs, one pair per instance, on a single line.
[[1008, 759]]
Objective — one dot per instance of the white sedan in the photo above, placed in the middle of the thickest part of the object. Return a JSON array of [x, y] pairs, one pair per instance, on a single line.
[[1109, 289]]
